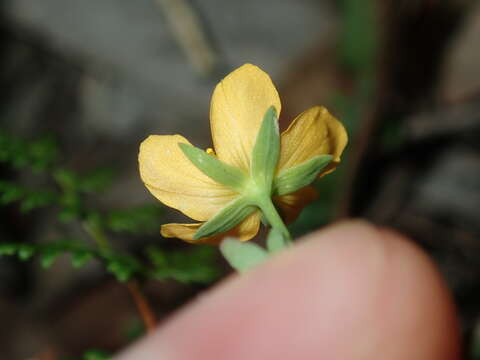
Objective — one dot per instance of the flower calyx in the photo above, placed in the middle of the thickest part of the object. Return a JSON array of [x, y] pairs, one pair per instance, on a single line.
[[255, 189]]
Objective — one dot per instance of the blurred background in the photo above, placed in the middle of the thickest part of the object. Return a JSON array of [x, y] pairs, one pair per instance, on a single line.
[[95, 77]]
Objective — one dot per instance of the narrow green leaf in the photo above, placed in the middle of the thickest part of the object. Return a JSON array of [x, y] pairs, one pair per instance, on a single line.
[[297, 177], [266, 150], [25, 251], [80, 258], [142, 219], [242, 256], [230, 216], [42, 152], [121, 272], [66, 178], [96, 180], [36, 199], [49, 256], [10, 192], [8, 248], [96, 355], [197, 265], [123, 267], [215, 169], [276, 241]]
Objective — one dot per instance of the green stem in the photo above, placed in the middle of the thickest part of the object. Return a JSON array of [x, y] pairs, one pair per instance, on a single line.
[[273, 218], [98, 235]]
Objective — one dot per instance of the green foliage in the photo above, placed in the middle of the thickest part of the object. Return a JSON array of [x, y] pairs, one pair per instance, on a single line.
[[74, 186], [95, 180], [38, 154], [28, 199], [196, 265], [123, 267], [136, 220], [49, 252]]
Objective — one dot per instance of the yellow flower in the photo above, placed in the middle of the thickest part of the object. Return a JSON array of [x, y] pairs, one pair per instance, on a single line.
[[238, 105]]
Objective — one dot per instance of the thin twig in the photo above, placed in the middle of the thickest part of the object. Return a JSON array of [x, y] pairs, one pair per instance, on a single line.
[[142, 304], [139, 298]]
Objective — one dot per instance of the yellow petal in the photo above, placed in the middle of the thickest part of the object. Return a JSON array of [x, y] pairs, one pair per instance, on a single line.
[[291, 205], [238, 105], [176, 182], [244, 231], [313, 132]]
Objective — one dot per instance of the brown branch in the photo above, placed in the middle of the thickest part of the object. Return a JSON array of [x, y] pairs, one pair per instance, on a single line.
[[142, 305]]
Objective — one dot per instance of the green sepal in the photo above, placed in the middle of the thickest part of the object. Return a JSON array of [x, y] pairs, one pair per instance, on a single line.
[[230, 216], [276, 240], [297, 177], [215, 169], [242, 256], [266, 151]]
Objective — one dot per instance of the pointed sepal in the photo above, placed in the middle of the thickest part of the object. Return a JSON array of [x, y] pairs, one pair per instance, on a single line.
[[215, 169], [266, 151], [227, 218], [297, 177]]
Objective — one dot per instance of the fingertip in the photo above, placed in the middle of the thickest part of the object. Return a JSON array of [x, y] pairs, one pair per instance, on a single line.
[[350, 291]]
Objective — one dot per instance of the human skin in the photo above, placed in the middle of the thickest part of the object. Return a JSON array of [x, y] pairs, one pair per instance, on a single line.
[[351, 291]]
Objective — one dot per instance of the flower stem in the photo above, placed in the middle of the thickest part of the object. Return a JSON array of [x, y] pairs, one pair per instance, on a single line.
[[273, 218]]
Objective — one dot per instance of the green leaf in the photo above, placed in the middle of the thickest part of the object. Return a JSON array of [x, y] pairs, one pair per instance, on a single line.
[[10, 192], [96, 355], [71, 206], [36, 199], [242, 256], [230, 216], [197, 265], [276, 241], [67, 215], [136, 220], [80, 258], [8, 248], [123, 267], [37, 153], [66, 178], [266, 151], [48, 256], [96, 180], [157, 257], [25, 251], [42, 152], [297, 177], [215, 169]]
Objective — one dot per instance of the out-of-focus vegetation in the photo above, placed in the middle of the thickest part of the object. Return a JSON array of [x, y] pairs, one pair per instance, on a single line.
[[70, 194]]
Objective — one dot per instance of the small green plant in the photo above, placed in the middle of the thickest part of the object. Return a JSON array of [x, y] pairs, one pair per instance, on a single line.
[[50, 186]]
